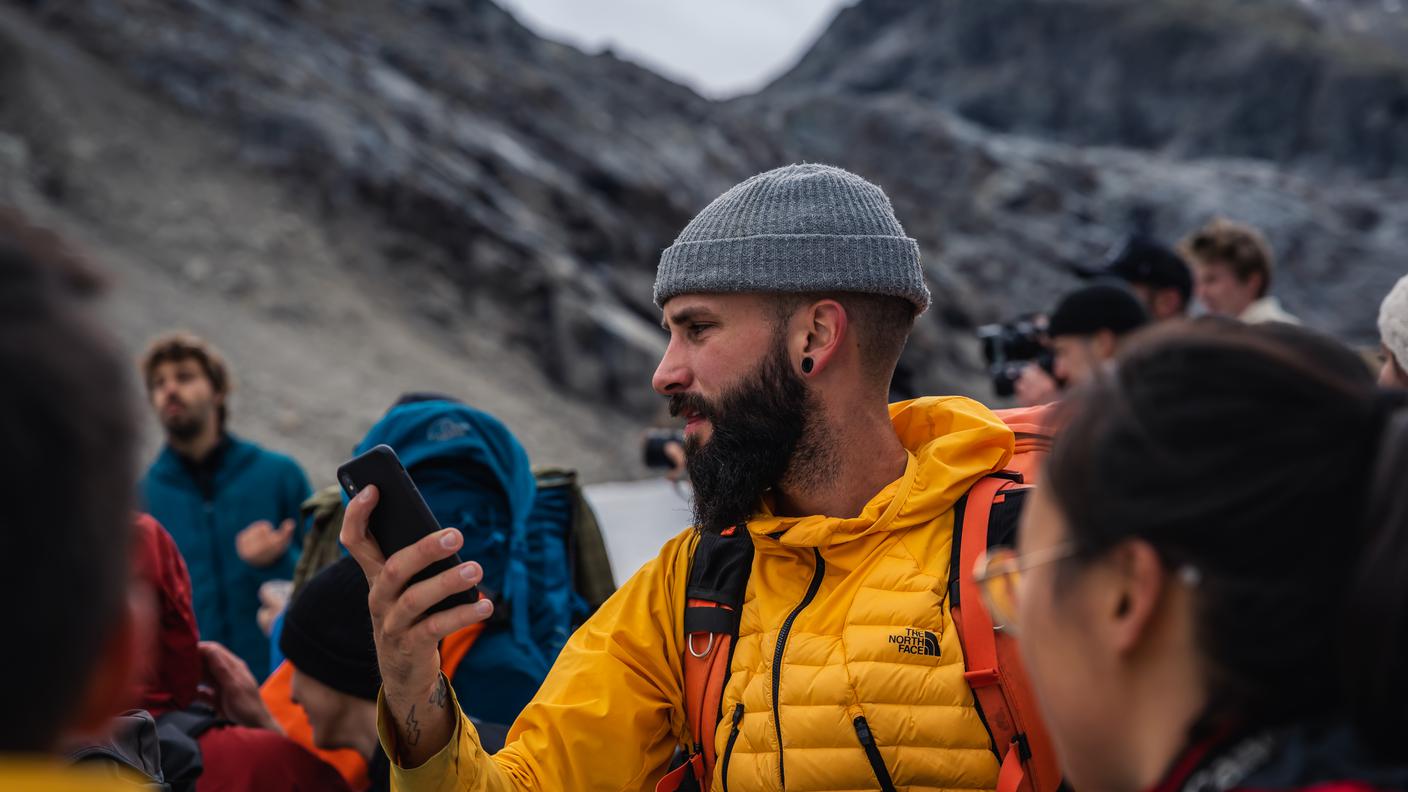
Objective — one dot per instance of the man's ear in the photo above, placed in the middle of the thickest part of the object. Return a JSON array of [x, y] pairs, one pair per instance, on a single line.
[[1257, 280], [819, 334], [113, 684], [1137, 577]]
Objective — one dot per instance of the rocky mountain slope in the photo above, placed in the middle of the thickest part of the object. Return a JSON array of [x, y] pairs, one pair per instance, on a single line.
[[360, 197]]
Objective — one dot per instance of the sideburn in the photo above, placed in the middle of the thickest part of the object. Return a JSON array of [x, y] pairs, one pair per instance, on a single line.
[[759, 428]]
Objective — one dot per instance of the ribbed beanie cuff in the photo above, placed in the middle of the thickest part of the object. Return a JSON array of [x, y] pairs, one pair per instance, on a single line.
[[801, 228]]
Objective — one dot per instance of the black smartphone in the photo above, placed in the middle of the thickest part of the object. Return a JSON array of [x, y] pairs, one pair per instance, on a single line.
[[401, 517]]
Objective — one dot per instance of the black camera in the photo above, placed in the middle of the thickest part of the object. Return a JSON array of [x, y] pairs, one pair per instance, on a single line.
[[655, 442], [1011, 346]]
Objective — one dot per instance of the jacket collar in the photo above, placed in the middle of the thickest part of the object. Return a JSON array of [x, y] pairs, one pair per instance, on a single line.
[[950, 442]]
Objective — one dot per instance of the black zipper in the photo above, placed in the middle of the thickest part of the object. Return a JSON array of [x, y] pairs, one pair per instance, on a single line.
[[777, 658], [872, 752], [732, 738]]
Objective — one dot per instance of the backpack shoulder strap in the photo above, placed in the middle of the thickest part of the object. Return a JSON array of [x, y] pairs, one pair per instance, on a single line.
[[718, 579], [987, 517]]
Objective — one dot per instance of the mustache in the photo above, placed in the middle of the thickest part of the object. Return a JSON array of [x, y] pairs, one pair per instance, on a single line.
[[690, 402]]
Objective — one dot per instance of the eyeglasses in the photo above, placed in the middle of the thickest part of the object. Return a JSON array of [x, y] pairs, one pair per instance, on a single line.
[[998, 573]]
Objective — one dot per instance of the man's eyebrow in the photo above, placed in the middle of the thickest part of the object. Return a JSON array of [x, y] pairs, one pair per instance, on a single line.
[[682, 316]]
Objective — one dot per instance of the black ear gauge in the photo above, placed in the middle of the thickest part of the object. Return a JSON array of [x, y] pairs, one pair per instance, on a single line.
[[807, 365]]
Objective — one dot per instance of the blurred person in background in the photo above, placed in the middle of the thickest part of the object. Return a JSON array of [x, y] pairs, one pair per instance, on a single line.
[[231, 506], [1393, 334], [238, 745], [76, 627], [1087, 330], [1232, 264], [1157, 275], [327, 639], [1186, 619]]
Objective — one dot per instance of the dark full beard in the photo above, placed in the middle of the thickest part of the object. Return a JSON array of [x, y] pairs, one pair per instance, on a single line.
[[760, 428], [182, 428]]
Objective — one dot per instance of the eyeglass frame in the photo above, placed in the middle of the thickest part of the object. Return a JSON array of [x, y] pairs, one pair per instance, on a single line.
[[1187, 574]]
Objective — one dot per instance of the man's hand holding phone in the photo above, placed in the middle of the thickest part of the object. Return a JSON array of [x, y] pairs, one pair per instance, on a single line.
[[407, 640]]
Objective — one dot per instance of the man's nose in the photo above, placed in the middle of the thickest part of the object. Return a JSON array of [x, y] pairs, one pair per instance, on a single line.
[[672, 375]]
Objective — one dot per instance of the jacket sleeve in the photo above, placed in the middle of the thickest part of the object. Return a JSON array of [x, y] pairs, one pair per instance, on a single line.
[[607, 715]]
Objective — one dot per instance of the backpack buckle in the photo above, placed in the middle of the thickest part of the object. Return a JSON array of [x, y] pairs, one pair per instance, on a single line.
[[709, 647]]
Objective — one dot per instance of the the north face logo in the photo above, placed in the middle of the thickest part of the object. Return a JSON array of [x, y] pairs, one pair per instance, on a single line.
[[916, 642]]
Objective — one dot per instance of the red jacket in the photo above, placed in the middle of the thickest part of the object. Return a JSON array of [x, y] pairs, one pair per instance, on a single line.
[[236, 758]]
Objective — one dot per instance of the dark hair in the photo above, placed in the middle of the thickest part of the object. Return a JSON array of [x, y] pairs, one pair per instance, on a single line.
[[67, 439], [179, 346], [882, 325], [1264, 457], [1240, 247]]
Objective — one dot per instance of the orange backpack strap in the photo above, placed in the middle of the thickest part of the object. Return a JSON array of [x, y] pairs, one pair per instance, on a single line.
[[985, 518], [718, 578]]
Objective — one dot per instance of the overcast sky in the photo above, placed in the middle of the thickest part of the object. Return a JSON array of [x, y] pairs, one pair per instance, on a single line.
[[721, 48]]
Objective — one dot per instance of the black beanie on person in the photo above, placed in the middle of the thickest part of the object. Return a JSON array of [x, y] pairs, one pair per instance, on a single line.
[[1103, 306], [327, 631]]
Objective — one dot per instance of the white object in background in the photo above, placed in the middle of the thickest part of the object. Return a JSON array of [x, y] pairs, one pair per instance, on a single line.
[[637, 518]]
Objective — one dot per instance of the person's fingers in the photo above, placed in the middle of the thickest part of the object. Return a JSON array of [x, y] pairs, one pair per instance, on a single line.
[[286, 528], [417, 599], [258, 526], [438, 626], [355, 536], [398, 570]]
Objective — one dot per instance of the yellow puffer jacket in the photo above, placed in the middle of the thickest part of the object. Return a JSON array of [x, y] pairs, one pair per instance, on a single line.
[[869, 637]]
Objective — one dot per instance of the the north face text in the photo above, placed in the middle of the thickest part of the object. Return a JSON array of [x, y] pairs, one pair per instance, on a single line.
[[917, 642]]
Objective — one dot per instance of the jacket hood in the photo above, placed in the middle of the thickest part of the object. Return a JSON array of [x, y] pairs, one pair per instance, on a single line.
[[427, 431], [951, 442], [175, 669]]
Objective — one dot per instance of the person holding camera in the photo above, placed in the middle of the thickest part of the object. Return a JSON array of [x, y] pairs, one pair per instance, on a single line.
[[1087, 328]]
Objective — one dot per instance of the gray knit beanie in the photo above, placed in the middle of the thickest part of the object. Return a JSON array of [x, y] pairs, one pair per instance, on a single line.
[[1393, 321], [801, 228]]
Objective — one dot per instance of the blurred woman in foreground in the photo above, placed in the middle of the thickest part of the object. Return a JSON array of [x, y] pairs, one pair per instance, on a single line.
[[1210, 589]]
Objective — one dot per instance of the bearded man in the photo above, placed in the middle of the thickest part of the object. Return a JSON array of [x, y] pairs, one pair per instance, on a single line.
[[788, 301], [231, 506]]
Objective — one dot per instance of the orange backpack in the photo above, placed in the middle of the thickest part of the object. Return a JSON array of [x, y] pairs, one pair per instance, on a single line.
[[985, 517]]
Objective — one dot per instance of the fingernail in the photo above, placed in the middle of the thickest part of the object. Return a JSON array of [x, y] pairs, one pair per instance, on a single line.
[[364, 496], [469, 571], [485, 607], [448, 538]]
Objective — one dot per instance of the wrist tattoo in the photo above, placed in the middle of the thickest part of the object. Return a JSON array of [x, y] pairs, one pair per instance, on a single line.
[[412, 728], [440, 696]]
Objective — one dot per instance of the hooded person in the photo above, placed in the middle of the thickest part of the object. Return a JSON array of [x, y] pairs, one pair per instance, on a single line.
[[788, 301], [236, 745]]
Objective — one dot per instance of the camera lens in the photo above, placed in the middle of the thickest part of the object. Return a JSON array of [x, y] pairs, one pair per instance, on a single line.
[[347, 484]]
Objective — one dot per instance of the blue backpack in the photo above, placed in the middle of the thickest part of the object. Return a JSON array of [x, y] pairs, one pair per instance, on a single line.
[[475, 476]]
